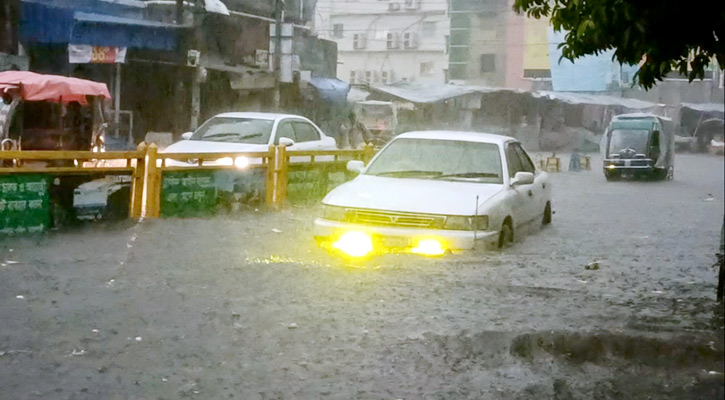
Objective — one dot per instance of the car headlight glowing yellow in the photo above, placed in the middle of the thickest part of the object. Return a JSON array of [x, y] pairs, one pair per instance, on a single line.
[[354, 244], [430, 247]]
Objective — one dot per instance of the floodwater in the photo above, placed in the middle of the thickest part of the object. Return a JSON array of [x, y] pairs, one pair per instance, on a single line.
[[245, 307]]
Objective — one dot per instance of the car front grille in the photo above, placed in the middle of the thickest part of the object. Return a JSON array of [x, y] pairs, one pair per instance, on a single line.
[[387, 218]]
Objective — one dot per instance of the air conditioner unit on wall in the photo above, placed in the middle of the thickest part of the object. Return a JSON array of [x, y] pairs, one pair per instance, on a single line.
[[410, 40], [412, 4], [360, 41], [392, 40], [394, 7]]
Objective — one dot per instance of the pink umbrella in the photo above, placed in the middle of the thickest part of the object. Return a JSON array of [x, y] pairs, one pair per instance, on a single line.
[[55, 88]]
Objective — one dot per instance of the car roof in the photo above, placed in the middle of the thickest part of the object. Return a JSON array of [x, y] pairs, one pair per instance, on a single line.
[[458, 135], [257, 115]]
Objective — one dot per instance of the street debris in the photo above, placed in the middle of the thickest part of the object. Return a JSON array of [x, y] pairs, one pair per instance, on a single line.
[[592, 266], [292, 326], [20, 297], [78, 352]]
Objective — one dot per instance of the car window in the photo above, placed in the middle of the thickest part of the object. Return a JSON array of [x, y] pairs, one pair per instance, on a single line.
[[526, 164], [236, 130], [285, 130], [305, 132], [439, 159], [512, 160]]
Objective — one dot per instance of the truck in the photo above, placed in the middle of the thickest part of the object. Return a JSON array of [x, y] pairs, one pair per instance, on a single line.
[[639, 146]]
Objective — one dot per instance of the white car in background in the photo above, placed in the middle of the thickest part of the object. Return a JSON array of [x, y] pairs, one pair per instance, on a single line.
[[250, 132], [434, 192]]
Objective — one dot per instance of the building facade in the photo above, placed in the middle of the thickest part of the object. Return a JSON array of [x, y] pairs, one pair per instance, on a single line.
[[387, 41]]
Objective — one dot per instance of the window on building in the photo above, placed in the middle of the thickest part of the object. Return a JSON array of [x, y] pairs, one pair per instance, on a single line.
[[429, 28], [337, 30], [352, 77], [426, 68], [488, 63], [385, 77], [368, 77], [448, 44]]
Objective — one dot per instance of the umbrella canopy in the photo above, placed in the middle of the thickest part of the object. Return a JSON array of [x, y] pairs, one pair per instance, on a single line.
[[55, 88]]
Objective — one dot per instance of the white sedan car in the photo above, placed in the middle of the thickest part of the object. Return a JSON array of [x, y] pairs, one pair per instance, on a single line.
[[434, 192], [250, 132]]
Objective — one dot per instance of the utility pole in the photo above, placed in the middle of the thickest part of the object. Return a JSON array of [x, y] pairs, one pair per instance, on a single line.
[[278, 7]]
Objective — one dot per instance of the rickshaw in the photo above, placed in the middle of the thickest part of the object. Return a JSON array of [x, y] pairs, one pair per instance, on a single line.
[[379, 117], [53, 113]]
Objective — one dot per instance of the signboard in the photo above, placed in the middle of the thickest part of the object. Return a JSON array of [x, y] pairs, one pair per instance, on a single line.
[[24, 203], [202, 193], [188, 193], [87, 54]]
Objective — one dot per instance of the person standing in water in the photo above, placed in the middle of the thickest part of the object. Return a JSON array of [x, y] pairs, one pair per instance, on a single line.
[[353, 134]]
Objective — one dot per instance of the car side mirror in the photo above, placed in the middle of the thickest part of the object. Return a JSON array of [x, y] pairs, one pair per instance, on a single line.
[[522, 178], [186, 135], [285, 141], [355, 166]]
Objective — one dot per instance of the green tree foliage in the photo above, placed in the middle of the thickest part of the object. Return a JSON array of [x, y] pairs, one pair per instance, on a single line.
[[660, 35]]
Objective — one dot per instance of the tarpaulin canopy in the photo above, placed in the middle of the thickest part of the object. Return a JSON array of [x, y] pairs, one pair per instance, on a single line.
[[39, 87], [331, 89]]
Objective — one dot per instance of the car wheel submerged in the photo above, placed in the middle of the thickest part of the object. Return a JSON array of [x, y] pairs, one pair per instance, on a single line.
[[546, 220], [506, 237]]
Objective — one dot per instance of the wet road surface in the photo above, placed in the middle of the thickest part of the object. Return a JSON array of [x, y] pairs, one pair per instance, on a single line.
[[245, 307]]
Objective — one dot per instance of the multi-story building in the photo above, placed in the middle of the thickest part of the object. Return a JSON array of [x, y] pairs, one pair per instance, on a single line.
[[387, 41]]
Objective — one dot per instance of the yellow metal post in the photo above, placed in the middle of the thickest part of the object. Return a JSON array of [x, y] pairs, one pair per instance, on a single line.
[[153, 183], [368, 153], [269, 184], [137, 183], [282, 179]]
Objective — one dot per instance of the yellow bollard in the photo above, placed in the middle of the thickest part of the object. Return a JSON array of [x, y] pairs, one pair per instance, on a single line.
[[153, 183], [282, 178], [137, 183], [269, 184]]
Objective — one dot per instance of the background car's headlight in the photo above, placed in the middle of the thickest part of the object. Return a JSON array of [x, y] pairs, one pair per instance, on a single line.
[[225, 161], [333, 213], [241, 162], [459, 223]]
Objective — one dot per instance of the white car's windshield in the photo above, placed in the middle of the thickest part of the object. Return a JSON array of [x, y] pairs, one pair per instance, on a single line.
[[439, 159], [622, 139], [236, 130]]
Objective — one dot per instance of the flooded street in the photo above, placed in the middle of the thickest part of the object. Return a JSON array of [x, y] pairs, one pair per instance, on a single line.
[[246, 307]]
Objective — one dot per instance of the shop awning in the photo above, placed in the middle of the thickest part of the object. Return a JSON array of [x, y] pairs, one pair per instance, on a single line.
[[107, 30]]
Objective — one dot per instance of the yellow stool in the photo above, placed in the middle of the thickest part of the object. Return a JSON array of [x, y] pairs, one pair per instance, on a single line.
[[553, 163], [586, 162]]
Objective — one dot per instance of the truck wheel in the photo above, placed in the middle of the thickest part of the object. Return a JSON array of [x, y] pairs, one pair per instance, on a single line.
[[610, 175]]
